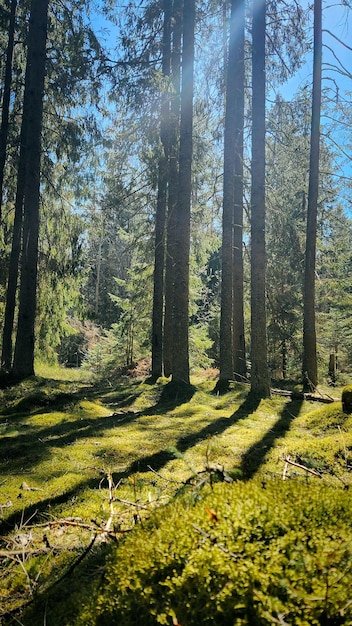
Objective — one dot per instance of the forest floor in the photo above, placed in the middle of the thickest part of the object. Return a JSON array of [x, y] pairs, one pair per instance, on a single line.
[[84, 461]]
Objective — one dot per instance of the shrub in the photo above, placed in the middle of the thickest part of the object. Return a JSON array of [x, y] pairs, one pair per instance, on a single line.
[[240, 554]]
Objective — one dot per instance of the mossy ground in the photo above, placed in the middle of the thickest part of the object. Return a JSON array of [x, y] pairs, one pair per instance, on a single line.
[[62, 442]]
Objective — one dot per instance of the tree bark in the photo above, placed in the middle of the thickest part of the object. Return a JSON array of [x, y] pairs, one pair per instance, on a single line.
[[6, 354], [160, 216], [180, 361], [226, 311], [239, 348], [259, 369], [4, 128], [173, 185], [23, 364], [309, 365]]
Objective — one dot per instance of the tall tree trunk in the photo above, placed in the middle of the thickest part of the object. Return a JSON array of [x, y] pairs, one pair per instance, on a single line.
[[174, 125], [10, 306], [23, 364], [259, 349], [239, 348], [309, 365], [6, 354], [160, 216], [4, 128], [180, 364], [226, 310]]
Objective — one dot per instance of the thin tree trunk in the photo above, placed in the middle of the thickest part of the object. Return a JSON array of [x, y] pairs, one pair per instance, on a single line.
[[226, 310], [173, 185], [23, 365], [4, 128], [6, 354], [309, 366], [180, 364], [160, 217], [239, 348], [259, 349], [97, 282]]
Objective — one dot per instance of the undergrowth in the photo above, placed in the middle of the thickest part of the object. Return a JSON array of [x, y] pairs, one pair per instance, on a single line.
[[87, 465]]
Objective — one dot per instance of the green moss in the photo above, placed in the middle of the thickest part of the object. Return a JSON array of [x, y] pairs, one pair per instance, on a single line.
[[347, 399], [239, 554], [67, 447]]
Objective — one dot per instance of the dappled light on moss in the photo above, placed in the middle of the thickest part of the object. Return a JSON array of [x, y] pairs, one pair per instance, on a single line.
[[183, 454]]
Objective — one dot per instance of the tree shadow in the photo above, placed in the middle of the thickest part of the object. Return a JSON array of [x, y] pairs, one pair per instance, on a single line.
[[160, 458], [20, 452], [254, 457]]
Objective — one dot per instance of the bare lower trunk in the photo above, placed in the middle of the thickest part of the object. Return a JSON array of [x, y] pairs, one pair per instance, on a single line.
[[173, 187], [259, 368], [160, 217], [309, 365], [23, 364], [180, 360]]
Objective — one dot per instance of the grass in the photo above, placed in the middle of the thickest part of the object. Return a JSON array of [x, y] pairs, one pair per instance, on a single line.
[[81, 456]]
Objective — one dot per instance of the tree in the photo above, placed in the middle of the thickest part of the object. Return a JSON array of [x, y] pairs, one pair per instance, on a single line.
[[6, 354], [309, 365], [174, 124], [239, 350], [160, 216], [226, 311], [4, 128], [287, 183], [259, 366], [180, 360], [23, 364]]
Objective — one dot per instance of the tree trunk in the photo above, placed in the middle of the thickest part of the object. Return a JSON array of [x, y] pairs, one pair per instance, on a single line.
[[173, 186], [226, 311], [4, 128], [23, 365], [180, 360], [6, 354], [160, 217], [239, 348], [259, 369], [309, 366]]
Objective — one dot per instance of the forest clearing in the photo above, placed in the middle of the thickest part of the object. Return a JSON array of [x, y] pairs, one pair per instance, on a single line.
[[216, 509]]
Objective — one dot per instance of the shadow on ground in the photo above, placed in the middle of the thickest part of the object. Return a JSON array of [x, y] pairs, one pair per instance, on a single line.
[[254, 457]]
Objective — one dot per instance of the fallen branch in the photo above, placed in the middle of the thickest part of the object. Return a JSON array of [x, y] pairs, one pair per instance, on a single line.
[[302, 467], [128, 503], [169, 480], [300, 395], [13, 553]]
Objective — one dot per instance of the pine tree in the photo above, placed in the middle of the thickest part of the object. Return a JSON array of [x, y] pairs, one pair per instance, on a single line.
[[180, 361], [23, 364], [161, 208], [259, 352], [309, 365]]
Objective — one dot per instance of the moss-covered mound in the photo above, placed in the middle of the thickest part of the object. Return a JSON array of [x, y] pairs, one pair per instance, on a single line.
[[347, 399], [246, 553]]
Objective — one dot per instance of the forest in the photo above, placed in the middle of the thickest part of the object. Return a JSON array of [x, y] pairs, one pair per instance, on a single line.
[[175, 312], [158, 206]]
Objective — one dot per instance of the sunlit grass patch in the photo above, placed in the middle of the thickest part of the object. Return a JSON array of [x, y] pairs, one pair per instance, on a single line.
[[59, 372]]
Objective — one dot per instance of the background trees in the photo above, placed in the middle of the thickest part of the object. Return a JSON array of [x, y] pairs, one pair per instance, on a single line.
[[124, 188]]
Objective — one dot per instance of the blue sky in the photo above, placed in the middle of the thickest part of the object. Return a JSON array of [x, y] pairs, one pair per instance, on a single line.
[[337, 19]]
